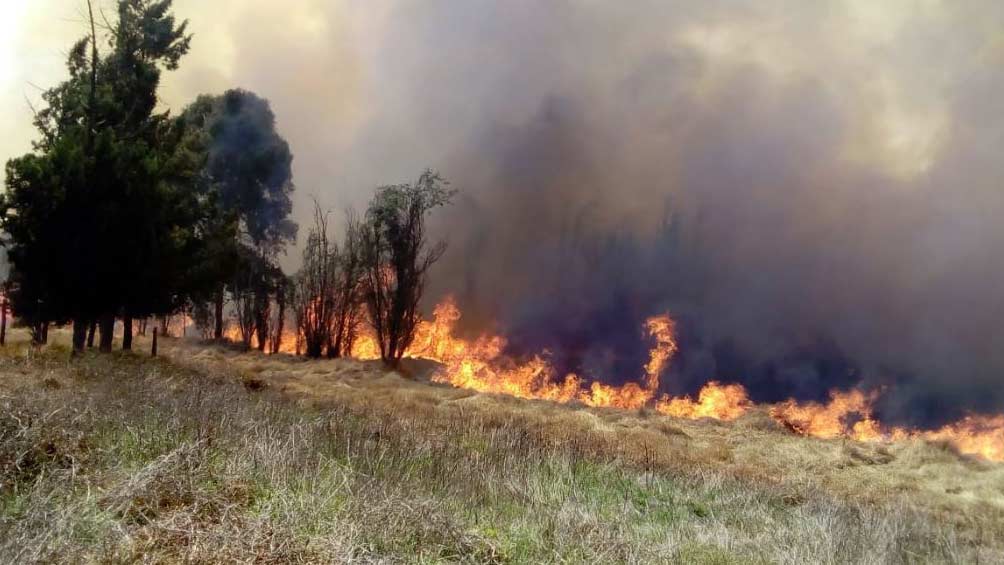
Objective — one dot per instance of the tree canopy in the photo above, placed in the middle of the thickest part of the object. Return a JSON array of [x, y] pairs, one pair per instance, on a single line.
[[101, 217], [397, 256]]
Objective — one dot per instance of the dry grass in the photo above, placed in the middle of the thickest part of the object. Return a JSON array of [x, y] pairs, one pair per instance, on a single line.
[[212, 457]]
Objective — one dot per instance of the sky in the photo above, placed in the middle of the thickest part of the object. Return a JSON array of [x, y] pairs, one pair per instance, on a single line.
[[834, 168]]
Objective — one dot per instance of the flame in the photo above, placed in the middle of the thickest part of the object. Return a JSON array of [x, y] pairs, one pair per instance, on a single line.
[[287, 343], [715, 400], [850, 414], [974, 435], [832, 419], [481, 364]]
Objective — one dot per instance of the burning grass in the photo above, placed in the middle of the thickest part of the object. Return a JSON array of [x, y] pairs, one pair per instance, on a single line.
[[123, 458], [480, 364]]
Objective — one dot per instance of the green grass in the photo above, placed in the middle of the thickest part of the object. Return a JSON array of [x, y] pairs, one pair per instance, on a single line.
[[120, 459]]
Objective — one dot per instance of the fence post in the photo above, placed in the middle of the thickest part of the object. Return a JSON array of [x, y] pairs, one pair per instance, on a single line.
[[3, 321]]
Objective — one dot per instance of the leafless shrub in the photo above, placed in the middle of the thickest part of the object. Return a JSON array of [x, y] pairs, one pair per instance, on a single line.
[[326, 296]]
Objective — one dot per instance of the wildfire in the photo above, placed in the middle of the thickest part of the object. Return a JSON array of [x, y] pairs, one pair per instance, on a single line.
[[481, 364], [715, 400], [850, 414], [833, 419], [287, 343]]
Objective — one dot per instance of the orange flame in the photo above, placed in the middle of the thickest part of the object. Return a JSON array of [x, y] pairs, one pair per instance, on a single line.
[[850, 414], [715, 400], [833, 419], [480, 364]]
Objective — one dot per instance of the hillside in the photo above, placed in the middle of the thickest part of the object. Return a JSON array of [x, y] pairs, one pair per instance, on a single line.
[[208, 455]]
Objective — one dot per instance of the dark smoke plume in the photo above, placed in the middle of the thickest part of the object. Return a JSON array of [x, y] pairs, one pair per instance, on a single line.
[[612, 170], [812, 189]]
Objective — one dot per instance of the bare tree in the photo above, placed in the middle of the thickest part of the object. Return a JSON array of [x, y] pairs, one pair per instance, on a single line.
[[243, 296], [277, 322], [348, 291], [314, 295], [396, 258]]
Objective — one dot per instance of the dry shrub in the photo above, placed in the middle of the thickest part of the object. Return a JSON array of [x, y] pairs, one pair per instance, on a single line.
[[254, 384], [51, 384], [399, 524], [167, 483], [866, 454], [669, 427], [758, 419], [32, 444]]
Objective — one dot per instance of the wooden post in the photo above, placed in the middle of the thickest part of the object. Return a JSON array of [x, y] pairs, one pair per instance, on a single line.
[[153, 350], [127, 333], [3, 321]]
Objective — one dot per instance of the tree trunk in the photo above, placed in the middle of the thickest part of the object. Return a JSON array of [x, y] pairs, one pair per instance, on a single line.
[[218, 306], [106, 329], [92, 328], [36, 333], [79, 335], [262, 331], [153, 348], [142, 326], [339, 338], [261, 319], [45, 332], [3, 322], [393, 362], [127, 333], [279, 327]]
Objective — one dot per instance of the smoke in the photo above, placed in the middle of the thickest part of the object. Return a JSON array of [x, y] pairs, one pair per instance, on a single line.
[[813, 190], [814, 198]]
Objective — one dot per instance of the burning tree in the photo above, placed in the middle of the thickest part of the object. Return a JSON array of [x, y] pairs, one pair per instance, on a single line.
[[396, 257]]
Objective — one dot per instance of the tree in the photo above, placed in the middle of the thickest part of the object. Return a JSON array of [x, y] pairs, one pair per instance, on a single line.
[[277, 322], [347, 290], [253, 288], [396, 257], [248, 174], [315, 287], [105, 163], [326, 290]]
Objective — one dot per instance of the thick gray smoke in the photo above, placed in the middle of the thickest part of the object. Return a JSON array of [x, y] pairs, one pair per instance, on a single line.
[[812, 218], [812, 189]]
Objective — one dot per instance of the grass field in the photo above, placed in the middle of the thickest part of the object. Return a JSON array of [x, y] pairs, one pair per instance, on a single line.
[[205, 455]]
